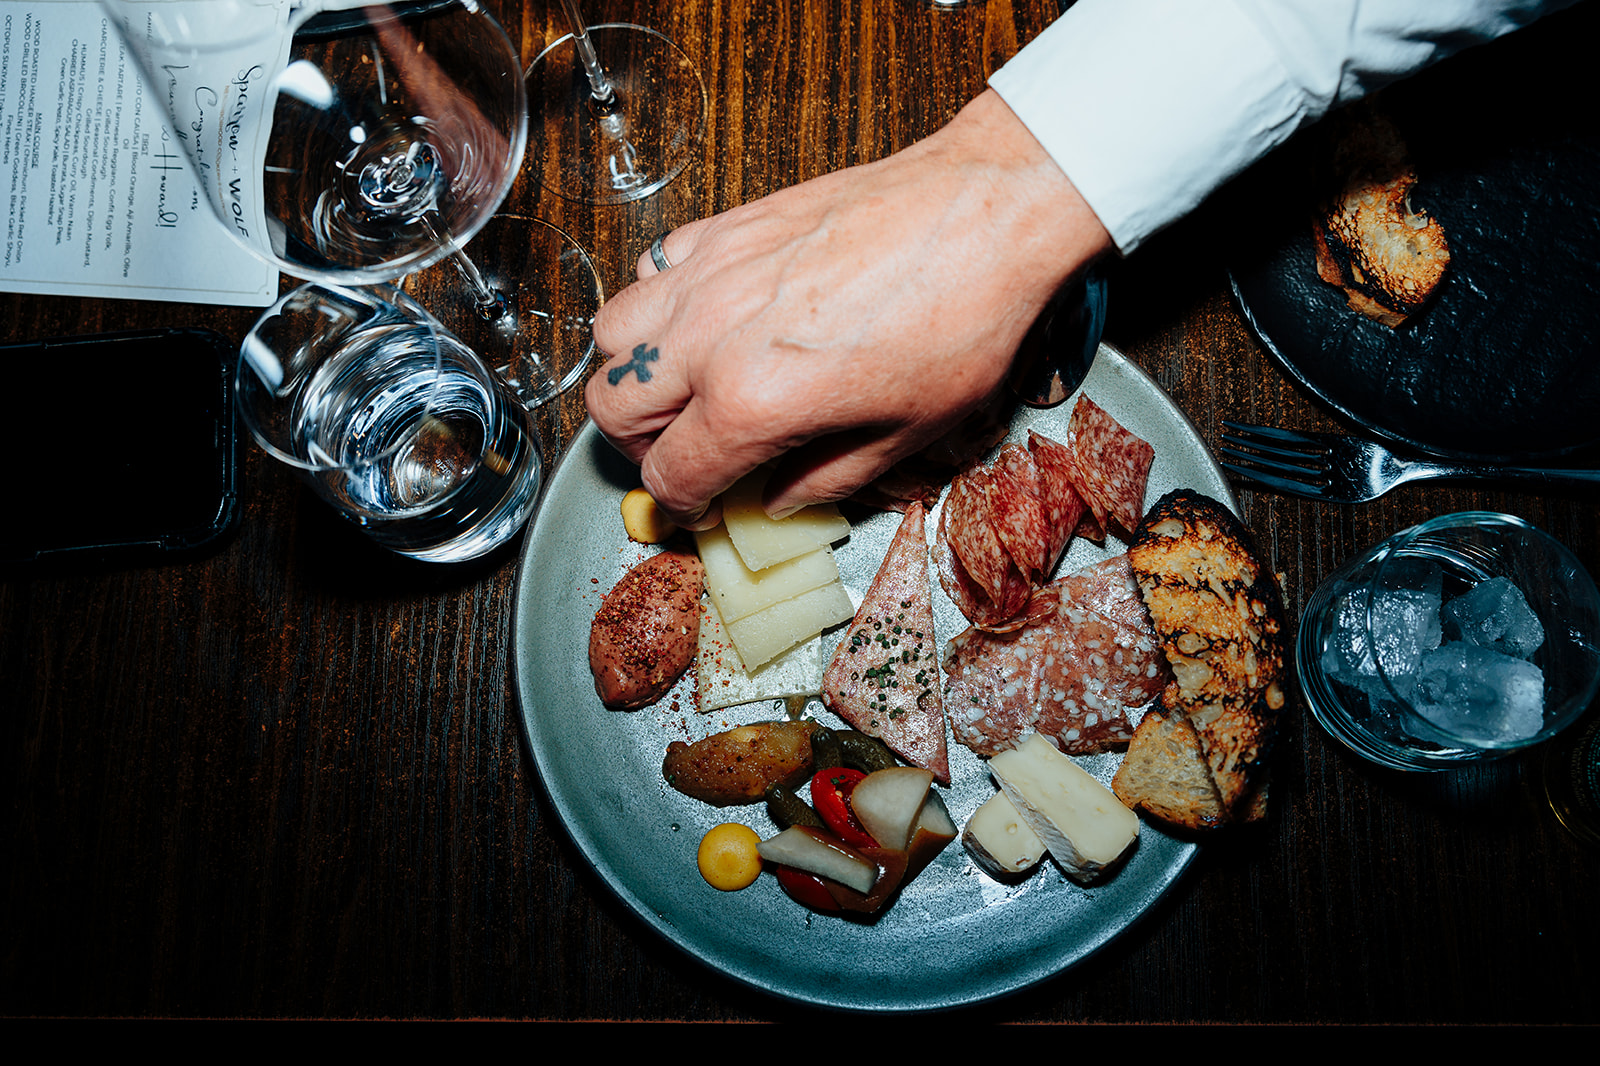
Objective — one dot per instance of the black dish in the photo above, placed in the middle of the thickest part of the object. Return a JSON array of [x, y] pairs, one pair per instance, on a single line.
[[1505, 362]]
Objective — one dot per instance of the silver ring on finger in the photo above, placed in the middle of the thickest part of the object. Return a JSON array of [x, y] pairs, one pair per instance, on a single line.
[[658, 254]]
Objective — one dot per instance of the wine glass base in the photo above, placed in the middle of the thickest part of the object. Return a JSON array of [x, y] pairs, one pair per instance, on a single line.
[[541, 340], [644, 139]]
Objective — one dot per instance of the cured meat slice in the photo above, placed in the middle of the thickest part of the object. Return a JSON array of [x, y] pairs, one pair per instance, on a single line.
[[1110, 466], [1064, 510], [989, 679], [1109, 588], [884, 677], [973, 537], [1003, 528], [970, 597], [1103, 670], [1015, 502], [1072, 673]]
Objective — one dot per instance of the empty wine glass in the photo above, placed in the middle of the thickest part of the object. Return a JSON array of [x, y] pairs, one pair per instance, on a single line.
[[618, 111], [358, 144]]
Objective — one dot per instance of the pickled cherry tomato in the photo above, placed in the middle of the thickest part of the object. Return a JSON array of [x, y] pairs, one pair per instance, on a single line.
[[830, 795]]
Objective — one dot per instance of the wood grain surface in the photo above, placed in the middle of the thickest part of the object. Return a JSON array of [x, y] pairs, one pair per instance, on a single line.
[[288, 779]]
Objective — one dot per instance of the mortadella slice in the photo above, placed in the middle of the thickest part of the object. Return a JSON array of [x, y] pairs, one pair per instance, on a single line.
[[884, 679]]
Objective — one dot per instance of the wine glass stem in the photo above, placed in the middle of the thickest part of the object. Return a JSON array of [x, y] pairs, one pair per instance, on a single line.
[[599, 84], [489, 301]]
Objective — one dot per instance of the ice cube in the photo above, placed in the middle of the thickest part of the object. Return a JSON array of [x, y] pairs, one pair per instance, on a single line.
[[1404, 625], [1479, 696], [1494, 614]]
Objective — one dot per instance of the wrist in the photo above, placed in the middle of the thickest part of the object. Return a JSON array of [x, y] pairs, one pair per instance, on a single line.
[[1055, 233]]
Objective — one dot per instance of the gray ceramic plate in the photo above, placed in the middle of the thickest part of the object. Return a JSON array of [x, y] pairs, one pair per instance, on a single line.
[[955, 936]]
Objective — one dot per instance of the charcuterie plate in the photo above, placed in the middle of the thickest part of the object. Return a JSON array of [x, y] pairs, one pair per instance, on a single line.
[[955, 936]]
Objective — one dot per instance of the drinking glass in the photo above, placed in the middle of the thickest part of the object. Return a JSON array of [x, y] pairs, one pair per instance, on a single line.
[[391, 420], [1465, 638], [363, 143], [618, 111]]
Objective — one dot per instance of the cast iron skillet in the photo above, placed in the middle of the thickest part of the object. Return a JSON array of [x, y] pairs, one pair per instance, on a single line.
[[1505, 363]]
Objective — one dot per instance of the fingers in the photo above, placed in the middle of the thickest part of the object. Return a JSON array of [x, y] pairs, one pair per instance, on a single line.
[[676, 245], [829, 468], [693, 460], [642, 385]]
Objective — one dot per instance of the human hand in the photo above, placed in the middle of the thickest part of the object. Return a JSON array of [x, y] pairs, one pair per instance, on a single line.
[[841, 324]]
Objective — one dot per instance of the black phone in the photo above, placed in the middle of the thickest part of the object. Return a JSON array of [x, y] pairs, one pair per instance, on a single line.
[[124, 447]]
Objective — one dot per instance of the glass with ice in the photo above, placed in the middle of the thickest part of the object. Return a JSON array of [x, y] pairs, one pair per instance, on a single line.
[[1464, 638], [391, 419]]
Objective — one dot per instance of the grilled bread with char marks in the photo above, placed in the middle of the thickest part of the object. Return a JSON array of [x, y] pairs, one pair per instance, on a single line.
[[1219, 617], [1165, 775], [1387, 256]]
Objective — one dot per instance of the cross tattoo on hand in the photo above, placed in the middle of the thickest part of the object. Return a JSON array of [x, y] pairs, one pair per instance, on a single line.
[[643, 356]]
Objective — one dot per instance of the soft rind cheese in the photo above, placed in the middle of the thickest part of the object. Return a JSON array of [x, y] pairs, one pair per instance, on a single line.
[[768, 633], [1000, 839], [1081, 822], [763, 542], [739, 591], [720, 679]]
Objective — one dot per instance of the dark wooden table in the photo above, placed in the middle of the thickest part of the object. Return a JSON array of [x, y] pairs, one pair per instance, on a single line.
[[289, 779]]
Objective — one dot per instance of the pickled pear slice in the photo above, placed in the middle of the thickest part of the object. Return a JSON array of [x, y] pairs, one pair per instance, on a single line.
[[889, 802], [819, 853]]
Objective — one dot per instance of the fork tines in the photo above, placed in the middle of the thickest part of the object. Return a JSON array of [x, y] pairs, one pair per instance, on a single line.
[[1280, 459]]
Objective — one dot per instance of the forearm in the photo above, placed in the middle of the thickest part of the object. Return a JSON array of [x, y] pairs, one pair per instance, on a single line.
[[1151, 105]]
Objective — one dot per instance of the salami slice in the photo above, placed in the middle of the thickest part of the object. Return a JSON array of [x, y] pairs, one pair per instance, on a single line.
[[973, 538], [1110, 466], [1102, 671], [1016, 511], [1062, 506], [988, 679], [1071, 673], [968, 596], [1109, 588]]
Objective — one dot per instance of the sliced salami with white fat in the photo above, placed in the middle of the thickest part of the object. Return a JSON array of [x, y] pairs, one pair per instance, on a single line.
[[1072, 673], [1110, 466]]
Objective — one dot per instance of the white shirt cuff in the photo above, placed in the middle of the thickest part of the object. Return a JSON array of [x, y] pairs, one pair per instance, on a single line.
[[1150, 105]]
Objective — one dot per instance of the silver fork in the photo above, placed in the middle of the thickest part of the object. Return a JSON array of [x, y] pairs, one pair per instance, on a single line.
[[1325, 466]]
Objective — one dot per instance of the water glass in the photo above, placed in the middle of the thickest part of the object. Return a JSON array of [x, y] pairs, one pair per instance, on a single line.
[[391, 419], [1464, 638]]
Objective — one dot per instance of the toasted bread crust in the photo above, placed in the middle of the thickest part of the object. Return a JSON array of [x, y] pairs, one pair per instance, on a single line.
[[1388, 257], [1219, 616]]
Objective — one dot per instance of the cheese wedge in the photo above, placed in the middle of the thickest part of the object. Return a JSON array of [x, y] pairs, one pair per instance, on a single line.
[[739, 591], [1000, 839], [1081, 822], [763, 542], [720, 679]]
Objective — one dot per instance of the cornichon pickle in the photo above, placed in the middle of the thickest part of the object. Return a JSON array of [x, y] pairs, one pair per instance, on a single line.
[[862, 752], [825, 750], [786, 809]]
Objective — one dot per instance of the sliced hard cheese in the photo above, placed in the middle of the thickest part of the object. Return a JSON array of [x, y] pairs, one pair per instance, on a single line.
[[763, 636], [1080, 821], [739, 591], [722, 682], [763, 542], [1000, 839]]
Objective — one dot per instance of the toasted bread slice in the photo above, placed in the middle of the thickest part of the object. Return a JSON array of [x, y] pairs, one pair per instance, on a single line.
[[1387, 256], [1218, 614], [1165, 775]]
